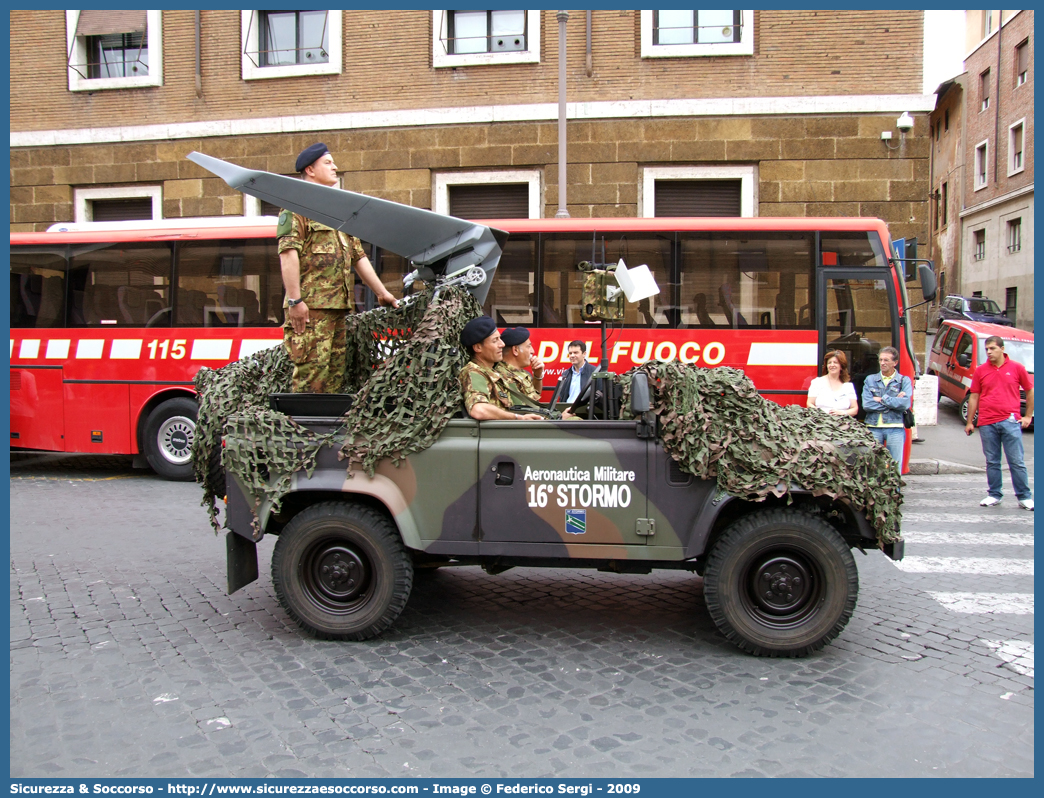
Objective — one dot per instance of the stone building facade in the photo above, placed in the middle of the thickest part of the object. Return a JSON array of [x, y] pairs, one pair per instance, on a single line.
[[791, 109], [986, 162]]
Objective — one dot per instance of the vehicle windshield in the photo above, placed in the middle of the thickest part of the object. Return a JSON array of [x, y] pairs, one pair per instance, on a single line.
[[1020, 351], [983, 306]]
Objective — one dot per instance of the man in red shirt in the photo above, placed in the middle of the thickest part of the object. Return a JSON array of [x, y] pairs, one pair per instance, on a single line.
[[995, 395]]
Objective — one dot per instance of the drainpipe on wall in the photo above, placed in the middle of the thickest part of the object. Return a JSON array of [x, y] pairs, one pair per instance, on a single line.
[[996, 105], [199, 73], [562, 212], [589, 64]]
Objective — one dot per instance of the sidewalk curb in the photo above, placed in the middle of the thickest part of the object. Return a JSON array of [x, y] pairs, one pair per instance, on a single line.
[[932, 467]]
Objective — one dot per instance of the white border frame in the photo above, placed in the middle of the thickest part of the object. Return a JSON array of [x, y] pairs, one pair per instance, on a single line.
[[441, 182], [747, 175], [745, 46], [1011, 153], [153, 41], [976, 185], [440, 59], [334, 23], [83, 196]]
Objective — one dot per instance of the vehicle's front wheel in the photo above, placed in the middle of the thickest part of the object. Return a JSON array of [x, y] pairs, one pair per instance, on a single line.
[[781, 583], [964, 410], [341, 571], [167, 442]]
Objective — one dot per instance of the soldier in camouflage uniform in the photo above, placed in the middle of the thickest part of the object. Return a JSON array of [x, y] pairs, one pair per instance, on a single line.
[[316, 263], [518, 356], [488, 392]]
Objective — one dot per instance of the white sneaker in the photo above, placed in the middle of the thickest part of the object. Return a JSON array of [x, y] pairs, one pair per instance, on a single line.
[[1026, 504], [990, 501]]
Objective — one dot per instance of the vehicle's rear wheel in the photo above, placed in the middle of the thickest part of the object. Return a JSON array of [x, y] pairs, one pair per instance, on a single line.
[[168, 434], [341, 571], [781, 583]]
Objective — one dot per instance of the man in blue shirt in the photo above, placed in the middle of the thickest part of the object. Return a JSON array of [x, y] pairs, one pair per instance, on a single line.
[[885, 396], [575, 378]]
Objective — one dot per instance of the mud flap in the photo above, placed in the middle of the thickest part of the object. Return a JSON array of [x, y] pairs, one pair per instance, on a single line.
[[242, 561], [895, 550]]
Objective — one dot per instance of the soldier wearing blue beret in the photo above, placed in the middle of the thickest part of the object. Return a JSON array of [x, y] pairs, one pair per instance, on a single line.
[[488, 392], [316, 263], [518, 356]]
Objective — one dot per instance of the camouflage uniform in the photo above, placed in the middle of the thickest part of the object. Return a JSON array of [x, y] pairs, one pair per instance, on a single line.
[[522, 379], [328, 289], [479, 384]]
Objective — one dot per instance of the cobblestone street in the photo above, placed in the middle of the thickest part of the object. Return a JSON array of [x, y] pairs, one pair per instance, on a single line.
[[128, 658]]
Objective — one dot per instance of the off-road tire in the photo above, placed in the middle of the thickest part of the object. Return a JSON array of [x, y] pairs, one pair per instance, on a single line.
[[781, 583], [167, 438], [341, 572]]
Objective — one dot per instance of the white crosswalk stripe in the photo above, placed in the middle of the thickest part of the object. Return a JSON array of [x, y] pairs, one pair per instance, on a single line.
[[1017, 653], [998, 566], [916, 537], [976, 516], [986, 603]]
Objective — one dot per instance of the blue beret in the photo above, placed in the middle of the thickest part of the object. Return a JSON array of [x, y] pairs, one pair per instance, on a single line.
[[476, 331], [514, 336], [309, 155]]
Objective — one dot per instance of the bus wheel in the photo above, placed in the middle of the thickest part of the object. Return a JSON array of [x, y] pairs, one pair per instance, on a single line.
[[341, 571], [168, 438], [781, 583]]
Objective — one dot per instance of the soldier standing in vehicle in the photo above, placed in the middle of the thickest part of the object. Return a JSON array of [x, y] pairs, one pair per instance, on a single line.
[[316, 262], [487, 391], [518, 356]]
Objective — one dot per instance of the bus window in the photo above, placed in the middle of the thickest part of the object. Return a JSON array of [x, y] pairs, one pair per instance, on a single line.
[[228, 283], [511, 299], [746, 280], [852, 249], [653, 250], [562, 281], [38, 287], [123, 285]]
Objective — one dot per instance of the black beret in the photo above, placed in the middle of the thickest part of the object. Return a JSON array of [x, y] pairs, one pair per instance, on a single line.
[[514, 336], [476, 331], [309, 155]]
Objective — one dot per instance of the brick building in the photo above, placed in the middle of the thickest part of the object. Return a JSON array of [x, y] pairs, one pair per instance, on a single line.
[[757, 113], [982, 166]]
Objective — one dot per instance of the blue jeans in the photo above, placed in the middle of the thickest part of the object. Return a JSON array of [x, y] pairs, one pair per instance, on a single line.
[[895, 439], [1009, 435]]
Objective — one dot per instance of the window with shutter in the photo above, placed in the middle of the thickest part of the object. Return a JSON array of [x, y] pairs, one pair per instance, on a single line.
[[698, 198]]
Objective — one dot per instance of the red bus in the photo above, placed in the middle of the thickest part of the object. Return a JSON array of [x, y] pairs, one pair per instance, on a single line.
[[110, 321]]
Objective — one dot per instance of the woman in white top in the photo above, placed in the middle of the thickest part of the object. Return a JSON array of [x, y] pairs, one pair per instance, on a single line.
[[834, 391]]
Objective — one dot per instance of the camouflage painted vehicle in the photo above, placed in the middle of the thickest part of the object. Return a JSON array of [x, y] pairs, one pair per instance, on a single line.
[[778, 580]]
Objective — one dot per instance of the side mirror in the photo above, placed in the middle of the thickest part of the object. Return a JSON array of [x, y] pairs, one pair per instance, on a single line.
[[964, 361], [640, 393], [927, 277]]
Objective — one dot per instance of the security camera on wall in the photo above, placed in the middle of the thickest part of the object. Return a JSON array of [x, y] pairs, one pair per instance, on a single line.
[[905, 122]]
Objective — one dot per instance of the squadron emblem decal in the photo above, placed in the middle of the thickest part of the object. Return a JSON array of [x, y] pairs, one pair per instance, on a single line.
[[576, 522]]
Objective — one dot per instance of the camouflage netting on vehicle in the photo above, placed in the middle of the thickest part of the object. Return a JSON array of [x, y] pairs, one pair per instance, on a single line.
[[242, 384], [717, 426], [402, 370]]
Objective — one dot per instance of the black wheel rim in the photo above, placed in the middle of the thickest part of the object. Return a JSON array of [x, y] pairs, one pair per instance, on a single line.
[[782, 587], [336, 576]]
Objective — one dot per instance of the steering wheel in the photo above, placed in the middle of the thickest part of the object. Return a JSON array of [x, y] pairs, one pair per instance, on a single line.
[[583, 399]]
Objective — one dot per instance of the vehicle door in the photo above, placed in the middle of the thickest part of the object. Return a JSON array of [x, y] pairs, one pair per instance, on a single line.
[[856, 312], [949, 384], [961, 364], [562, 488]]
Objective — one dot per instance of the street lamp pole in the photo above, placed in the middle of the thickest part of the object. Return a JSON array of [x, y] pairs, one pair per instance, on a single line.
[[562, 212]]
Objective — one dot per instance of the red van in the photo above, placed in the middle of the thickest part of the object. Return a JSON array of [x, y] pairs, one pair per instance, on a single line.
[[960, 348]]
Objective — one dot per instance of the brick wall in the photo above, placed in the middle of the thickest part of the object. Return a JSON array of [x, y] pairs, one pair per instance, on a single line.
[[387, 65]]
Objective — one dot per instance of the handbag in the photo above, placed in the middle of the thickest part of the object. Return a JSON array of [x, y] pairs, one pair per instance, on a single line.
[[908, 418]]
